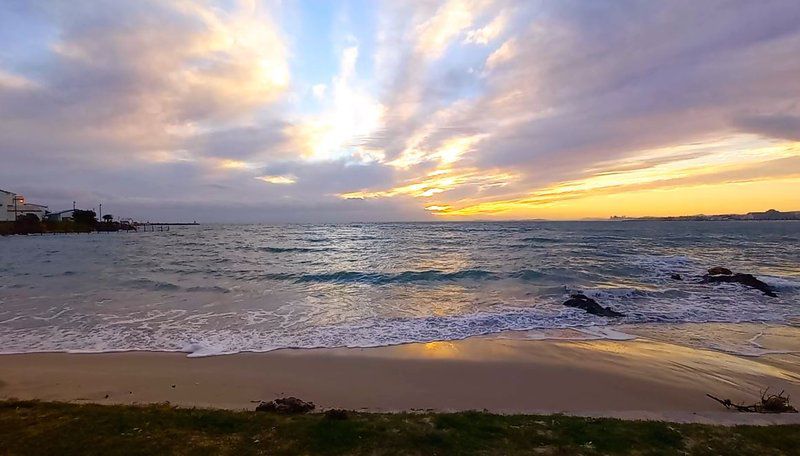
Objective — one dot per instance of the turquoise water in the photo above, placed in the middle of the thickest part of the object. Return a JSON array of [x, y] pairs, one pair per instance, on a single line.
[[229, 288]]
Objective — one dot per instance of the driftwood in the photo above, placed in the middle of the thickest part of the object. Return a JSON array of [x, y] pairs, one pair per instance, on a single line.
[[770, 403]]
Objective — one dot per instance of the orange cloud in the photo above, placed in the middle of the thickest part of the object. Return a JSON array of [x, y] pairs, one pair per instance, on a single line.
[[438, 182], [735, 160]]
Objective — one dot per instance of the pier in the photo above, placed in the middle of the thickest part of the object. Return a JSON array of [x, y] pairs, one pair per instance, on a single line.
[[159, 226]]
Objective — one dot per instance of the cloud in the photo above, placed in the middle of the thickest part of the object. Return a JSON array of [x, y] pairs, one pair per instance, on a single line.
[[440, 29], [267, 140], [328, 178], [463, 107], [280, 180], [489, 32], [122, 77], [780, 126], [502, 54], [11, 81], [319, 90], [737, 159], [350, 114], [576, 85]]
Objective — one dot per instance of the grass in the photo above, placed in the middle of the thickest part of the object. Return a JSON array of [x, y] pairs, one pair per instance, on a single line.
[[41, 428]]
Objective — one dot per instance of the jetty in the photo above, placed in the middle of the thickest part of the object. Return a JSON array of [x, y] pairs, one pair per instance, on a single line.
[[159, 226]]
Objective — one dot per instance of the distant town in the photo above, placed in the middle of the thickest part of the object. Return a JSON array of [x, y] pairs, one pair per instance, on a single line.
[[771, 214], [19, 216]]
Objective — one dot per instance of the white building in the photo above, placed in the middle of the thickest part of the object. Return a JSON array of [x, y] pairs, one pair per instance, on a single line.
[[7, 206], [14, 205], [38, 210]]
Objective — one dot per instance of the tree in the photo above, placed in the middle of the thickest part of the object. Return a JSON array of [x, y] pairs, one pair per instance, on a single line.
[[86, 219], [27, 224], [108, 218]]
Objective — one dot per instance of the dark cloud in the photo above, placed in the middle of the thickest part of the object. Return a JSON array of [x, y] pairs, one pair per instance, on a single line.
[[242, 143], [775, 126]]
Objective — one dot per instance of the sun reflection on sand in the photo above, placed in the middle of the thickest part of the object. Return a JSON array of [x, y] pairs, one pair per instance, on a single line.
[[440, 350], [642, 358], [686, 360]]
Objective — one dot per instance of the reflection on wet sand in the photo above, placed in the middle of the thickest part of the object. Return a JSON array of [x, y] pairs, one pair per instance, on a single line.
[[646, 358]]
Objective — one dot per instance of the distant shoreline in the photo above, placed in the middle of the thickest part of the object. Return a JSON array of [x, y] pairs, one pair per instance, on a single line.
[[770, 215], [690, 219]]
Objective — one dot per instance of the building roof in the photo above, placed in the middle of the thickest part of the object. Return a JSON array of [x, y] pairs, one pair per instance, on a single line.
[[10, 193], [63, 212]]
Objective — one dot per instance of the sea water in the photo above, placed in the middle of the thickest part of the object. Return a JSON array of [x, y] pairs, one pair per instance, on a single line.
[[215, 289]]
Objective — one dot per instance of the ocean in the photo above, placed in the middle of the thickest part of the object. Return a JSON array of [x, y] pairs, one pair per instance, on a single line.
[[218, 289]]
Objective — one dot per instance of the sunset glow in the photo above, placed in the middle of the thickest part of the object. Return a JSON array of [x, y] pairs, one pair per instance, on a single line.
[[403, 110]]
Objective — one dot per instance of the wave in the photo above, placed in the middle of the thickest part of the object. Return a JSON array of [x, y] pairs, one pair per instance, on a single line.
[[316, 240], [211, 289], [527, 275], [577, 333], [289, 249], [433, 275], [401, 277], [782, 283], [541, 240], [173, 334], [152, 285], [502, 322]]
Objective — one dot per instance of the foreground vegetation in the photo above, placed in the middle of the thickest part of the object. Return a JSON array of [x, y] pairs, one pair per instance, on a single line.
[[28, 427]]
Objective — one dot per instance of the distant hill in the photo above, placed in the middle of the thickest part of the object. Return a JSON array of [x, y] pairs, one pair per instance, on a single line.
[[771, 214]]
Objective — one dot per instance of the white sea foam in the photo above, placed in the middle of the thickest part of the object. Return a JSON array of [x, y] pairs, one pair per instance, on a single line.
[[603, 332], [782, 283]]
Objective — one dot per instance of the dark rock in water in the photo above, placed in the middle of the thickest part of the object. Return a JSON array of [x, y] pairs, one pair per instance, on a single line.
[[676, 277], [745, 279], [590, 305], [336, 414], [286, 405], [720, 271]]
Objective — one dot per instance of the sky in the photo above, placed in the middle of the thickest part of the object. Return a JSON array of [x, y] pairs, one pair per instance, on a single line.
[[335, 111]]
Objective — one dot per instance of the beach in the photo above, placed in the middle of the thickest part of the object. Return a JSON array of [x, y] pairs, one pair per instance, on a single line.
[[455, 227], [408, 317], [633, 379]]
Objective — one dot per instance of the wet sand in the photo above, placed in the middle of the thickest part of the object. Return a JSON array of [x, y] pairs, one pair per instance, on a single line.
[[641, 378]]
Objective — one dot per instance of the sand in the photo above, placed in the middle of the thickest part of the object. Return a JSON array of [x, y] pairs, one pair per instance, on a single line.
[[642, 378]]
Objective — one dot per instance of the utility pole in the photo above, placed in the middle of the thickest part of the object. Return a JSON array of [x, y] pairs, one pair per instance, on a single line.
[[101, 211]]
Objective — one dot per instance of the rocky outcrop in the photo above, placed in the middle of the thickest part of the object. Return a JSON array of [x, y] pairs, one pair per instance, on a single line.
[[590, 305], [747, 280], [725, 275], [718, 270], [286, 405]]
